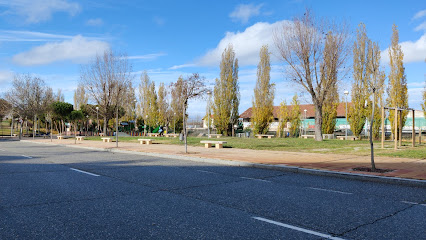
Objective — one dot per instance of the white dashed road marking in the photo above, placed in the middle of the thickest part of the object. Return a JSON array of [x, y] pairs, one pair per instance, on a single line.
[[329, 190], [255, 179], [92, 174], [203, 171], [298, 229], [26, 156]]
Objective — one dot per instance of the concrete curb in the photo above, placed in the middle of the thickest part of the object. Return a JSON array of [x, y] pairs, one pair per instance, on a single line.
[[280, 167]]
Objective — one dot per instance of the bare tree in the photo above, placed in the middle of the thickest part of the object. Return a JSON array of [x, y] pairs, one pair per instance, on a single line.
[[315, 52], [80, 97], [190, 87], [106, 80], [28, 97]]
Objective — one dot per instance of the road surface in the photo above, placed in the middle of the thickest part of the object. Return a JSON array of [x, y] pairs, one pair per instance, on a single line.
[[55, 192]]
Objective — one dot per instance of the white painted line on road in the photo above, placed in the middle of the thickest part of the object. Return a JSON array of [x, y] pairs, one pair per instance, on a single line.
[[26, 156], [92, 174], [329, 190], [298, 228], [414, 203], [203, 171], [255, 179]]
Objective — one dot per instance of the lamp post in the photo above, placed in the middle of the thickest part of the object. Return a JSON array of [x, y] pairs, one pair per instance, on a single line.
[[135, 101], [346, 114], [11, 127], [174, 123], [305, 120], [144, 129], [87, 125], [97, 119], [208, 113]]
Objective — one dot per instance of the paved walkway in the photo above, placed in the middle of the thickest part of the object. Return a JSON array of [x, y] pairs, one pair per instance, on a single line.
[[403, 167]]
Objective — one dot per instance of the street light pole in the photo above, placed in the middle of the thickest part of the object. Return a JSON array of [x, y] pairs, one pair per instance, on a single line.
[[174, 123], [305, 120], [208, 114], [97, 118], [135, 101], [346, 114]]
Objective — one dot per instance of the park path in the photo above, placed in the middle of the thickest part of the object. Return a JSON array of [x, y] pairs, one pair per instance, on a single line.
[[403, 167]]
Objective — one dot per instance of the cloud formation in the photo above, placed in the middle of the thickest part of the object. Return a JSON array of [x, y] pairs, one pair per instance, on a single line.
[[419, 14], [413, 51], [35, 11], [246, 44], [182, 66], [151, 56], [244, 12], [79, 49], [95, 22]]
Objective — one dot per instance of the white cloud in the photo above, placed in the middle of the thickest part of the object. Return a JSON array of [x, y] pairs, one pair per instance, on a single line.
[[29, 36], [420, 14], [246, 44], [413, 51], [182, 66], [95, 22], [6, 76], [147, 56], [244, 12], [421, 27], [35, 11], [78, 49]]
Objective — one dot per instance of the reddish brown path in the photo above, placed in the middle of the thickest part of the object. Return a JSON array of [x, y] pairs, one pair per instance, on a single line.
[[403, 167]]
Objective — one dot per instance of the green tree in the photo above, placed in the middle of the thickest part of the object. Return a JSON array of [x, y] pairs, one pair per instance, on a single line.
[[226, 93], [283, 118], [295, 117], [163, 105], [263, 102], [148, 100], [397, 87], [62, 111]]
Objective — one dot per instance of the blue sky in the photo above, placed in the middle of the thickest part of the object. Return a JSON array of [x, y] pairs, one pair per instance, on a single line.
[[51, 39]]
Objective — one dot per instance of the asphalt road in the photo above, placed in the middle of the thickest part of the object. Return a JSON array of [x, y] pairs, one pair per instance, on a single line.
[[54, 192]]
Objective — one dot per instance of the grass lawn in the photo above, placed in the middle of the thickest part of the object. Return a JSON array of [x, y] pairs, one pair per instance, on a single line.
[[301, 145]]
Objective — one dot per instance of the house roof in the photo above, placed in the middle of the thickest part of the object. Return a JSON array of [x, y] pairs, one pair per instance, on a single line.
[[310, 111]]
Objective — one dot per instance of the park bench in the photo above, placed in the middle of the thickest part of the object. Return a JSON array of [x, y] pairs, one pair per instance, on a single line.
[[308, 136], [153, 134], [106, 139], [60, 137], [171, 135], [79, 138], [15, 135], [101, 135], [214, 135], [146, 141], [328, 136], [353, 138], [218, 144], [263, 136]]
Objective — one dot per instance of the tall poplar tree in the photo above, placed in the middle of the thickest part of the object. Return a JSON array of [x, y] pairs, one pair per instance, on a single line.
[[283, 118], [148, 100], [227, 93], [263, 102], [397, 88], [295, 117], [163, 105], [357, 111]]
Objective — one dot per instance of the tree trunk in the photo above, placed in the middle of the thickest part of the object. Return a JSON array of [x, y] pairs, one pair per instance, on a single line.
[[105, 126], [318, 122]]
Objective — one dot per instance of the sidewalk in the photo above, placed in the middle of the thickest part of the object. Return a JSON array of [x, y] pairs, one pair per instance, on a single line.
[[403, 167]]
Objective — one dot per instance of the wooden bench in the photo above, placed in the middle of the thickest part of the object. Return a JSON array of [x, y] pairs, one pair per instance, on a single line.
[[353, 138], [214, 135], [101, 135], [147, 141], [308, 136], [263, 136], [79, 138], [106, 139], [171, 135], [60, 137], [14, 135], [218, 144]]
